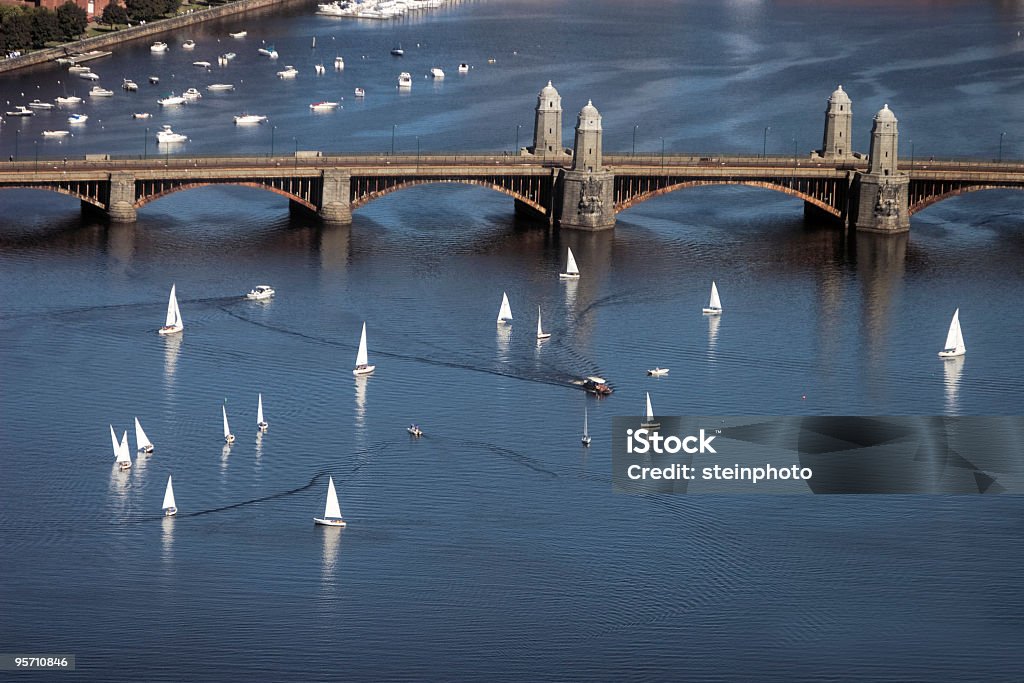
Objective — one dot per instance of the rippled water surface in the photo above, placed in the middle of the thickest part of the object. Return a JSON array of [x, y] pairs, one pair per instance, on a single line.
[[493, 548]]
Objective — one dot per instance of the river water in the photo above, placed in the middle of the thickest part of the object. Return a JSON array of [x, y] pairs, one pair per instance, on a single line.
[[493, 548]]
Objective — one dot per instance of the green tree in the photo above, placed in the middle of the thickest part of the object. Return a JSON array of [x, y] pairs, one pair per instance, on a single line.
[[15, 29], [144, 10], [114, 14], [71, 20], [171, 6], [45, 28]]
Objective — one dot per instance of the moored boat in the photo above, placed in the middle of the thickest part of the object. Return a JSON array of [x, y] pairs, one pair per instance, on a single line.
[[436, 73], [243, 119], [97, 91], [89, 76], [323, 106], [56, 133], [71, 99], [78, 118], [166, 135], [170, 100], [362, 361], [141, 115], [158, 47], [188, 44], [191, 94], [21, 110], [405, 80], [39, 104], [288, 72], [359, 92], [260, 292], [220, 87], [130, 85]]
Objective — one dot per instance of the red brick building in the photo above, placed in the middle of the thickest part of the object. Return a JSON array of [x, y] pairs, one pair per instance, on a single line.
[[92, 7]]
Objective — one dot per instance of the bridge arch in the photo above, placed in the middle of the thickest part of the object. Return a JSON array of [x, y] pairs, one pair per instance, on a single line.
[[924, 202], [768, 185], [145, 198], [87, 198], [533, 199]]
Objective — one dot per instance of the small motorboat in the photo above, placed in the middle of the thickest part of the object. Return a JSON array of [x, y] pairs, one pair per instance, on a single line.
[[288, 72], [323, 106], [320, 69], [141, 115], [414, 430], [158, 47], [98, 91], [89, 76], [154, 79], [130, 85], [268, 51], [243, 119], [39, 104], [239, 34], [191, 94], [203, 64], [405, 80], [78, 118], [596, 385], [78, 69], [339, 63], [21, 110], [463, 68], [55, 133], [229, 56], [657, 372], [360, 92], [171, 99], [69, 100], [188, 45], [167, 136], [260, 292], [220, 87], [436, 73], [397, 51]]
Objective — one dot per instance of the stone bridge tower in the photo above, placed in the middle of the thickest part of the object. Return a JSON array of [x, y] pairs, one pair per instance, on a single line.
[[547, 125], [880, 196], [838, 124], [588, 201]]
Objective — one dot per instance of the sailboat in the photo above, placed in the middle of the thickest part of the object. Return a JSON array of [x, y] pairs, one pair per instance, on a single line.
[[541, 334], [586, 434], [362, 362], [954, 339], [571, 271], [714, 306], [260, 422], [228, 436], [172, 323], [505, 313], [122, 456], [332, 512], [142, 442], [170, 509], [649, 423]]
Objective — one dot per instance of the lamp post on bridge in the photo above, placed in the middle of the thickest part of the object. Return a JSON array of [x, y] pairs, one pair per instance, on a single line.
[[393, 126], [273, 130], [145, 145], [417, 153], [662, 155], [296, 162], [911, 156], [515, 150], [35, 143], [764, 143], [794, 153], [17, 137], [1001, 136], [635, 126]]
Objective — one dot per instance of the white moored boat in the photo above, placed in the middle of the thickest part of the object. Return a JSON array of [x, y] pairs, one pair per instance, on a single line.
[[260, 292], [268, 51], [339, 63], [261, 424], [171, 99], [169, 507], [586, 435], [405, 80], [320, 69], [414, 429], [541, 334], [463, 68], [228, 436], [21, 110], [332, 511], [954, 339], [220, 87], [436, 73], [650, 422], [129, 85], [158, 47], [202, 64], [244, 119], [141, 115], [168, 136], [97, 91], [78, 118], [239, 34], [658, 372], [72, 99], [323, 106], [714, 306], [89, 76], [192, 94], [55, 133], [363, 366], [39, 104], [505, 312], [188, 44], [359, 92], [142, 442], [172, 322], [288, 72], [572, 272]]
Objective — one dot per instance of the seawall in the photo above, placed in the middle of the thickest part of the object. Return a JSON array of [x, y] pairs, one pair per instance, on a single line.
[[135, 32]]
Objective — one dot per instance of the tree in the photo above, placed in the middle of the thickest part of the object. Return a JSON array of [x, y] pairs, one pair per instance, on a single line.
[[15, 29], [171, 6], [114, 14], [44, 27], [71, 20], [144, 10]]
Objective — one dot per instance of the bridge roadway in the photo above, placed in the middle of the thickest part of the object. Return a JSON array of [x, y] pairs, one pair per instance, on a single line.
[[303, 177]]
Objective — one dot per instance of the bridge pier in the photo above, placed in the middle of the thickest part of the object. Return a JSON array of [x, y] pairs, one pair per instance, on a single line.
[[588, 201], [121, 198], [335, 197]]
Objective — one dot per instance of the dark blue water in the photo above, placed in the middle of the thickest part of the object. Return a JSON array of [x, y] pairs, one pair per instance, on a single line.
[[493, 548]]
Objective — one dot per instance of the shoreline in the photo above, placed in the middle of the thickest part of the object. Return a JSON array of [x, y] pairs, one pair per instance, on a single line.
[[47, 55]]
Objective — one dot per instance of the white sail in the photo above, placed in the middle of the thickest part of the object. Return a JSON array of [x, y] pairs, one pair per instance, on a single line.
[[227, 431], [361, 356], [505, 314], [113, 442], [541, 334], [259, 411], [142, 441], [585, 432], [650, 410], [173, 315], [169, 495], [571, 269], [955, 337], [332, 510], [177, 311], [715, 301], [123, 454]]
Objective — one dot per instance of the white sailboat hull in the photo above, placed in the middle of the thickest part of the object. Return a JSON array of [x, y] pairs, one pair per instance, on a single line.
[[170, 329], [951, 353], [569, 276], [364, 370], [658, 372], [170, 512], [328, 522], [712, 311], [585, 440]]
